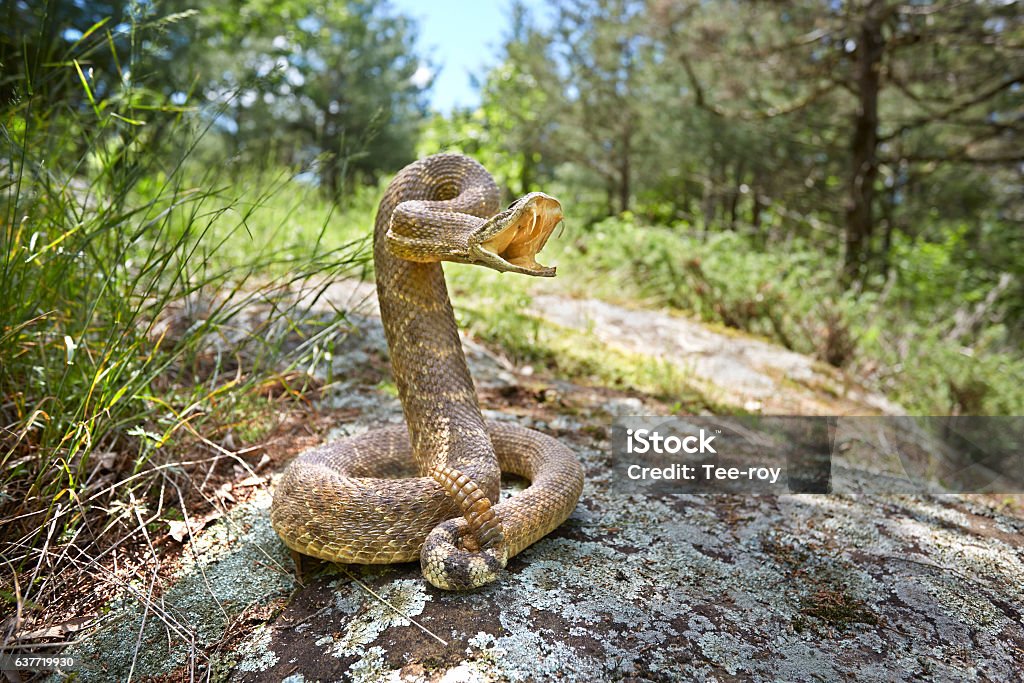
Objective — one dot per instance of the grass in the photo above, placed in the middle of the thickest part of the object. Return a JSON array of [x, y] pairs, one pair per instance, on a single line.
[[126, 325], [153, 318]]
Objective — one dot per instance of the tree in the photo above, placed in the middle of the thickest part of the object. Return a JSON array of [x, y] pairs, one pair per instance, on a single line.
[[37, 39], [521, 102], [910, 83], [297, 83], [604, 54], [568, 95]]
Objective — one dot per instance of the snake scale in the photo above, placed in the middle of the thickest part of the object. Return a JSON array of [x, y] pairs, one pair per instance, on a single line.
[[430, 489]]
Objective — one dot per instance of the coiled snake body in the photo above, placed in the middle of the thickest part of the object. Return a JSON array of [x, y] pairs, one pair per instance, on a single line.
[[430, 489]]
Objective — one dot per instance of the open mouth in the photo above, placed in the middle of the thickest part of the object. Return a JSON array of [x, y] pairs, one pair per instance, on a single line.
[[516, 245]]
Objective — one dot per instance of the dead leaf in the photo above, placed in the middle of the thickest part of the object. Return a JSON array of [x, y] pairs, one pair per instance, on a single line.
[[58, 630], [178, 530], [224, 491]]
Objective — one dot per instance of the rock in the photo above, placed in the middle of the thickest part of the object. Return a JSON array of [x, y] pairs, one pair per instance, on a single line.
[[624, 406], [634, 586], [744, 371], [794, 587]]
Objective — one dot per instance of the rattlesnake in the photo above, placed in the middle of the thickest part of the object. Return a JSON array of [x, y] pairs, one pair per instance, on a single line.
[[430, 489]]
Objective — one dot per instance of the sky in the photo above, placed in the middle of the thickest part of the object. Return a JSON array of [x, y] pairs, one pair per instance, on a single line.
[[459, 38]]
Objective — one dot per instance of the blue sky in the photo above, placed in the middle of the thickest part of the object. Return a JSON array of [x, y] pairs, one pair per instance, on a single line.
[[459, 38]]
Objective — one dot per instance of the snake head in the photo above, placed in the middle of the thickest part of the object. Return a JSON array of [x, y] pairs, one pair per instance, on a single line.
[[429, 231], [450, 565], [510, 241]]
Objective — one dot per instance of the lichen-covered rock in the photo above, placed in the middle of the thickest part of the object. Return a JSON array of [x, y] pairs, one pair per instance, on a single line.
[[235, 565], [690, 588], [633, 586]]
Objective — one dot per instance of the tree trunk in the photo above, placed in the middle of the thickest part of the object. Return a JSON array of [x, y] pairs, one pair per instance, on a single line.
[[331, 172], [888, 226], [526, 172], [625, 170], [756, 212], [864, 161], [708, 206], [734, 194]]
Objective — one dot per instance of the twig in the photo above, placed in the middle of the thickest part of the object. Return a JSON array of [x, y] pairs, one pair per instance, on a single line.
[[192, 547], [46, 547], [142, 626], [395, 609], [967, 321], [951, 570], [18, 601], [164, 615], [308, 617]]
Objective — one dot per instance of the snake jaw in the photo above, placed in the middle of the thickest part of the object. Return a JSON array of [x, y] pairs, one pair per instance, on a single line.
[[511, 240]]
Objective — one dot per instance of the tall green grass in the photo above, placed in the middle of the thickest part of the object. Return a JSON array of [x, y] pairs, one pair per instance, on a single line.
[[145, 304]]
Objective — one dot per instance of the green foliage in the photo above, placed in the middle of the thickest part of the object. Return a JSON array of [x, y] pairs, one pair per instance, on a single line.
[[736, 148], [926, 337], [470, 133]]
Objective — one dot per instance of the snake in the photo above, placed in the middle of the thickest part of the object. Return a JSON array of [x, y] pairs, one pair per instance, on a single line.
[[430, 489]]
